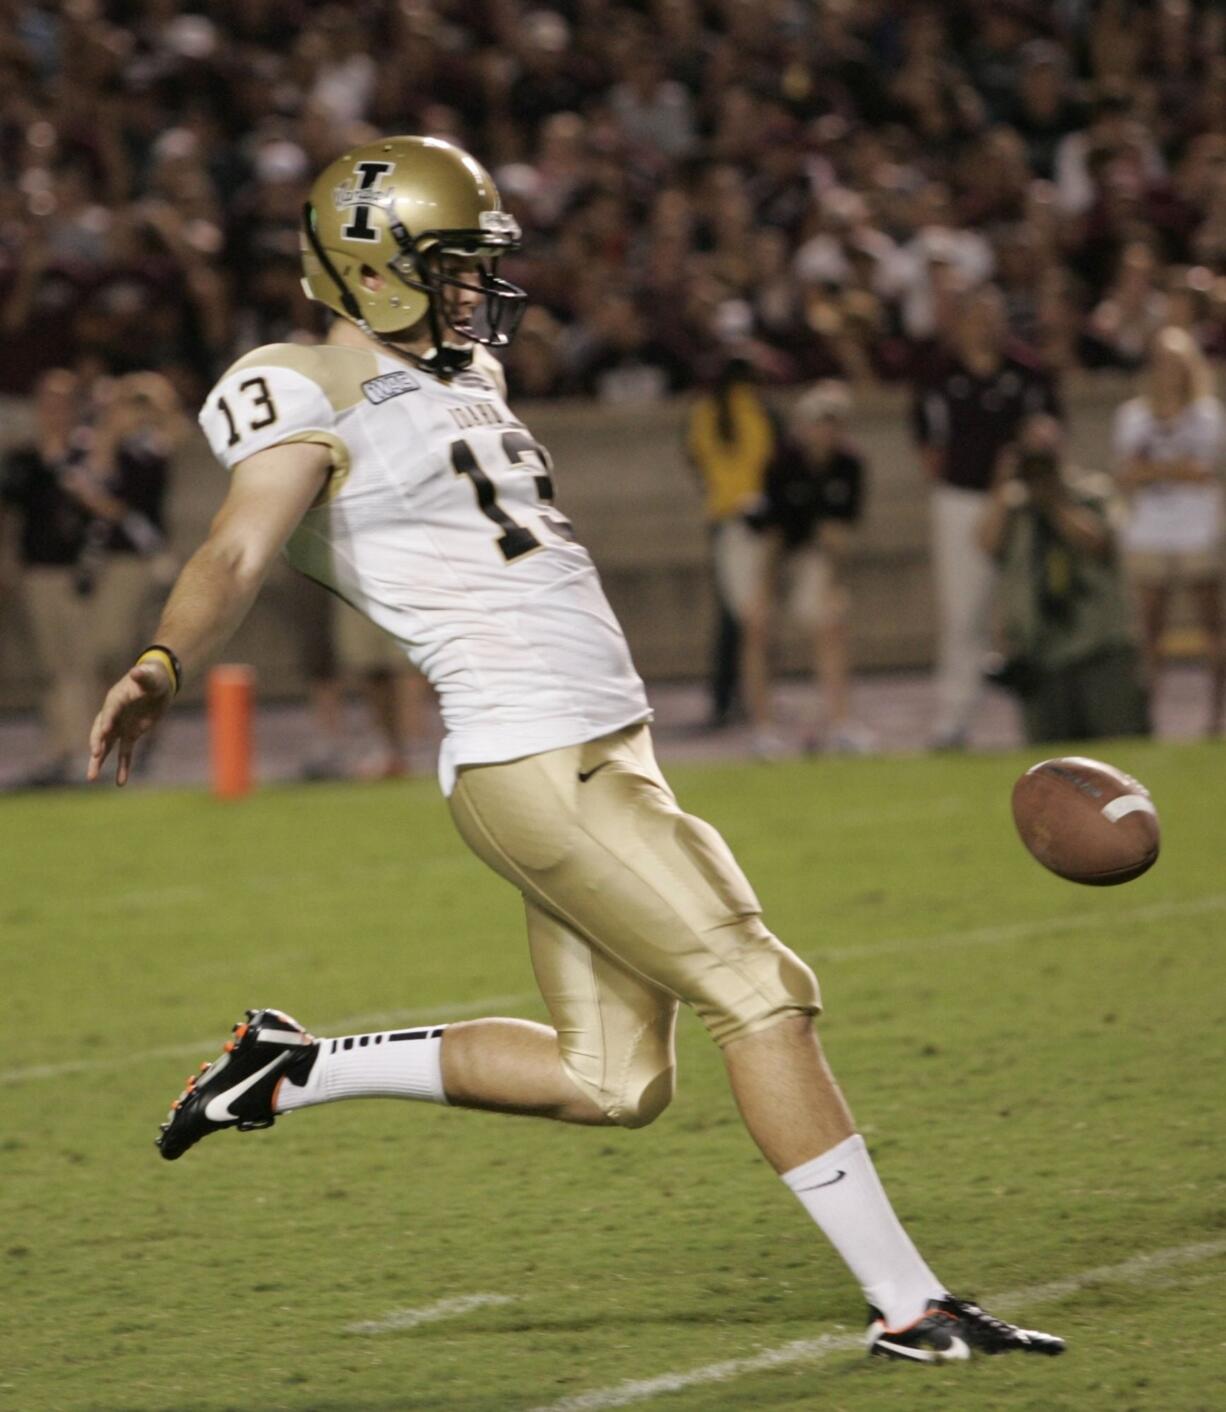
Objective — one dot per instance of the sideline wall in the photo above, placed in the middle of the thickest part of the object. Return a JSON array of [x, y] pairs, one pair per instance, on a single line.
[[622, 479]]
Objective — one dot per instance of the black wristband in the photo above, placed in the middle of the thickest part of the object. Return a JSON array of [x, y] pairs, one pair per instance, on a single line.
[[176, 667]]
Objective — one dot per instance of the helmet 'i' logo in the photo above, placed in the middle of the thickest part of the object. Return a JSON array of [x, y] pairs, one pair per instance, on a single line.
[[361, 196]]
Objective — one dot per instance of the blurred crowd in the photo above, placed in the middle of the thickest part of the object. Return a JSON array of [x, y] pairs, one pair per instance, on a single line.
[[1053, 580], [84, 549], [83, 534], [813, 181], [973, 197]]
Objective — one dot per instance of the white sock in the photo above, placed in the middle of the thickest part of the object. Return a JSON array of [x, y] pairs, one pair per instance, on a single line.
[[391, 1064], [842, 1192]]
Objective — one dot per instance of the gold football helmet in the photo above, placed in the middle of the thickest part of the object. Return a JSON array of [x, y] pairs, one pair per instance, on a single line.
[[399, 207]]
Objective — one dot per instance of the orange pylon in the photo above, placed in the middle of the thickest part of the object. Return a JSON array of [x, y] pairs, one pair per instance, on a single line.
[[230, 693]]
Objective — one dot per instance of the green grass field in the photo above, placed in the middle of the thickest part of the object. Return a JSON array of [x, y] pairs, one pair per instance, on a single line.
[[1039, 1069]]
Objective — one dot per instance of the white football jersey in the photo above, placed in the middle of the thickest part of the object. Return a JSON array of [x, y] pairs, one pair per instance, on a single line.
[[438, 524]]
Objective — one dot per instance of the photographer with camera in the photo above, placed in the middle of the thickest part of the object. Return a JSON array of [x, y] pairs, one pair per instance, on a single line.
[[43, 530], [1069, 650], [81, 530]]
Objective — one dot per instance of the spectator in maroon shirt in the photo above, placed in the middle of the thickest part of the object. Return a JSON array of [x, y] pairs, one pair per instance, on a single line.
[[967, 409]]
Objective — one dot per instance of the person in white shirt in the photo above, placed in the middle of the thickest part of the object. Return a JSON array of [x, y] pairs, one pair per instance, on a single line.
[[1168, 447], [388, 465]]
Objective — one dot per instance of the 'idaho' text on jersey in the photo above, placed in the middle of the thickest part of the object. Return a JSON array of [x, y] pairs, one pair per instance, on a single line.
[[438, 523]]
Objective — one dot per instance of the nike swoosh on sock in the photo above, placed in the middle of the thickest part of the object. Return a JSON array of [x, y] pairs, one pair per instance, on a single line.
[[838, 1177]]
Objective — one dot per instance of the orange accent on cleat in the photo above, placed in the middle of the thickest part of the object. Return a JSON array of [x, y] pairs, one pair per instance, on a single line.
[[230, 1046], [240, 1030], [927, 1314], [205, 1066]]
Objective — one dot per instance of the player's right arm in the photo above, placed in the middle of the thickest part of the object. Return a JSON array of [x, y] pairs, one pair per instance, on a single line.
[[269, 494]]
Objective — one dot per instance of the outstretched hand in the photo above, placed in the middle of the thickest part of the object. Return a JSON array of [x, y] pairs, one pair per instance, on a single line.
[[133, 706]]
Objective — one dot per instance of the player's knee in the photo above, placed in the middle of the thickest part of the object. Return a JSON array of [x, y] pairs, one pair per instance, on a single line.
[[645, 1103], [642, 1094], [766, 983]]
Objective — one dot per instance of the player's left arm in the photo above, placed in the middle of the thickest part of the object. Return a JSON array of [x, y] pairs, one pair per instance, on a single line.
[[269, 494]]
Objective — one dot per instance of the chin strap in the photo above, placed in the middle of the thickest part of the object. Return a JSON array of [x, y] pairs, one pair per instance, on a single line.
[[444, 362]]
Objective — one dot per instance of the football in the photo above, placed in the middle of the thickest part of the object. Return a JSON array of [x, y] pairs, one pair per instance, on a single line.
[[1086, 821]]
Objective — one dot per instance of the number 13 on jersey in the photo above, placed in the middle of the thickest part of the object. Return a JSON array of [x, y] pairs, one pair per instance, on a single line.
[[522, 452]]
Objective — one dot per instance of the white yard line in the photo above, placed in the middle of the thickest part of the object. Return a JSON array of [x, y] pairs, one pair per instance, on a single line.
[[975, 936], [1022, 931], [1138, 1268], [200, 1048], [810, 1350], [803, 1350], [400, 1319]]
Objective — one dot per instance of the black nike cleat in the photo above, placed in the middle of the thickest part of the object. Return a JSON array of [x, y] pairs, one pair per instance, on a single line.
[[238, 1089], [950, 1330]]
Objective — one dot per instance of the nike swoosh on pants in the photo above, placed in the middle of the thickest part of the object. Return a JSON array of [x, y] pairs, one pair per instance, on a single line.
[[585, 775]]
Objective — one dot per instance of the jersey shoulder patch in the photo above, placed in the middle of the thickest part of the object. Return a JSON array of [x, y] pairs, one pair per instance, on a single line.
[[337, 371]]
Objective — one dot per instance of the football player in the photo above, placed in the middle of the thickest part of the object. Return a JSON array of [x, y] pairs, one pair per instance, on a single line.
[[386, 464]]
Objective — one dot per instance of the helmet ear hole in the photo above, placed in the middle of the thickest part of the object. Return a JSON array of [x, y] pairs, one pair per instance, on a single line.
[[370, 277]]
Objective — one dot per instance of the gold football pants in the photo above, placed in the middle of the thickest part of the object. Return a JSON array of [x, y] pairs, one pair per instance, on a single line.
[[632, 906]]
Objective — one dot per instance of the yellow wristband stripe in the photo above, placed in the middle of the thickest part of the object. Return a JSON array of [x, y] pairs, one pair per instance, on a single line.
[[163, 659]]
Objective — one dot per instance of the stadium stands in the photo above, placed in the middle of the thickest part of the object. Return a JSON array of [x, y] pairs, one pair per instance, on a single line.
[[806, 178]]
